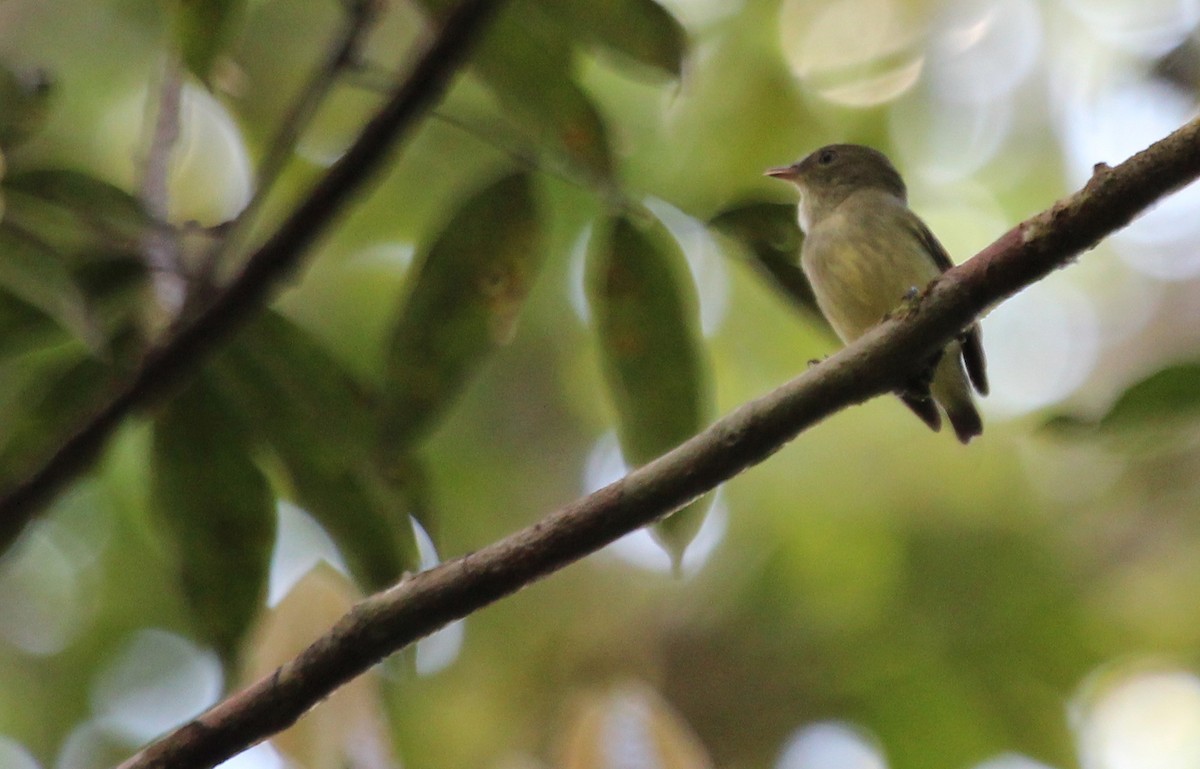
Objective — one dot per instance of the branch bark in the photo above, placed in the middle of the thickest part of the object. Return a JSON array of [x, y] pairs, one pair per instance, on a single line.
[[266, 269], [875, 364]]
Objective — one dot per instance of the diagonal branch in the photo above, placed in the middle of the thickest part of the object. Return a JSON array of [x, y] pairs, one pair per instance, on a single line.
[[875, 364], [273, 262]]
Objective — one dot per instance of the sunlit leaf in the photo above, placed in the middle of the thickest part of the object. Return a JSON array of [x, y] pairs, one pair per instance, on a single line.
[[25, 97], [218, 510], [633, 722], [204, 29], [528, 65], [641, 30], [772, 237], [284, 384], [352, 722], [463, 303], [645, 311]]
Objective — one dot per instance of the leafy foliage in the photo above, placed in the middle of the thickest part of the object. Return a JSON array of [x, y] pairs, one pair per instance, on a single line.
[[945, 602], [647, 322]]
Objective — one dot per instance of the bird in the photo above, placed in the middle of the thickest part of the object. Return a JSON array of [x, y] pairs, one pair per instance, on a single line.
[[865, 253]]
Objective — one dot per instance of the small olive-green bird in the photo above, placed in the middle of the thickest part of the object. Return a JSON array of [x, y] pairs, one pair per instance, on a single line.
[[864, 253]]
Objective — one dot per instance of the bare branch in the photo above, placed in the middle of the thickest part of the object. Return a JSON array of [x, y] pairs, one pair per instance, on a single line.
[[875, 364], [266, 269], [358, 18], [159, 246]]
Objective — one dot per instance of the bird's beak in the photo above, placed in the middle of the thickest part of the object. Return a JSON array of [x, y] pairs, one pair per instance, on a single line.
[[787, 173]]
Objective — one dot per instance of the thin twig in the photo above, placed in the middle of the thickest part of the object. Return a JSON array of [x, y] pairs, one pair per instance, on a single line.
[[343, 55], [266, 269], [159, 245], [875, 364]]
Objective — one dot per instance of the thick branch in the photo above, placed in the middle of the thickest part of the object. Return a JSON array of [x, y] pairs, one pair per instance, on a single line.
[[183, 352], [877, 363]]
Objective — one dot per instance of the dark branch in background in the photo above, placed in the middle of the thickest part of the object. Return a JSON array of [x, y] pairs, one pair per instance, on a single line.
[[878, 363], [266, 269]]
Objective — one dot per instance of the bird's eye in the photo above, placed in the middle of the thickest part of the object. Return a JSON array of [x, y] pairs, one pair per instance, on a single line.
[[826, 157]]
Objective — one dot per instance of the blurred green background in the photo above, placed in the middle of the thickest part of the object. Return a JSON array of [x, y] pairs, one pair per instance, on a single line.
[[573, 263]]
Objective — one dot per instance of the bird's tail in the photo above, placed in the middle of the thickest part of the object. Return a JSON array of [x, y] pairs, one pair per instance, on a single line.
[[953, 393], [965, 419]]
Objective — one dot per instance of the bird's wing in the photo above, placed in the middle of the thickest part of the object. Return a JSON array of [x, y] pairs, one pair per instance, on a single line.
[[972, 352], [972, 339], [935, 249]]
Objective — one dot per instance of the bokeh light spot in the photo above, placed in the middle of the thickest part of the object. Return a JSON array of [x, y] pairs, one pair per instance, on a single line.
[[830, 745], [40, 596], [1111, 126], [210, 175], [156, 681], [604, 465], [13, 755], [1146, 720], [439, 650], [300, 544], [1011, 761], [1147, 27], [1041, 345], [983, 49], [856, 53]]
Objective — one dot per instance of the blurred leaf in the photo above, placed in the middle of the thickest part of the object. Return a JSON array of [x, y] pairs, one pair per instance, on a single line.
[[285, 385], [25, 97], [99, 214], [54, 391], [642, 30], [771, 234], [1170, 394], [204, 29], [24, 328], [31, 272], [463, 303], [366, 514], [1180, 67], [644, 308], [1068, 426], [527, 63], [218, 510], [1167, 398]]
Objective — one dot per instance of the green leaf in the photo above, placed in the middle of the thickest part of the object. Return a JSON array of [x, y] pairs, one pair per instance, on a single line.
[[772, 236], [645, 312], [25, 97], [641, 30], [1171, 395], [464, 302], [24, 328], [204, 29], [284, 385], [44, 395], [217, 508], [527, 63], [365, 512], [31, 272], [98, 214]]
